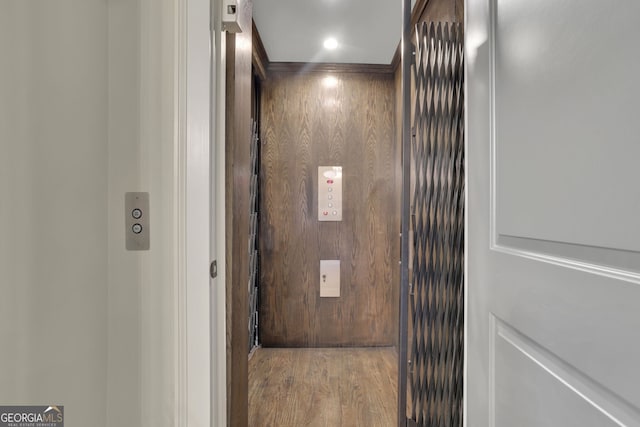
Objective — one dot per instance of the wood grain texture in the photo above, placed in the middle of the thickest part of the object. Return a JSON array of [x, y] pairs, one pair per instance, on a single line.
[[238, 172], [323, 387], [439, 10], [305, 125]]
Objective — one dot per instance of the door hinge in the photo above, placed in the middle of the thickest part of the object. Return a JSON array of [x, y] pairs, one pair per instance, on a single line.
[[213, 269]]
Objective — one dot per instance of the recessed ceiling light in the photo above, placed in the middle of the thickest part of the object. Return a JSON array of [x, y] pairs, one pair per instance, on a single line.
[[330, 81], [330, 43]]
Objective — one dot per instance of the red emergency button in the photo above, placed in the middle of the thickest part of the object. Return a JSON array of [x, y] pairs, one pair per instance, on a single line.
[[325, 213], [329, 181]]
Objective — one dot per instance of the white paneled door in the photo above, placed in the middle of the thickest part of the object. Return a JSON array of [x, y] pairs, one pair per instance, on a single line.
[[553, 247]]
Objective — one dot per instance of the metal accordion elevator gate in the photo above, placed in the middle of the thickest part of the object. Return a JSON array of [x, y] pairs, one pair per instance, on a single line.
[[433, 212]]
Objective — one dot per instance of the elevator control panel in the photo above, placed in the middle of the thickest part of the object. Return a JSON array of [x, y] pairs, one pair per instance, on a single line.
[[136, 221], [329, 193]]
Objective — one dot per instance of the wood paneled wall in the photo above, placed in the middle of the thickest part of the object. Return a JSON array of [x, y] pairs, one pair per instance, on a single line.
[[306, 124]]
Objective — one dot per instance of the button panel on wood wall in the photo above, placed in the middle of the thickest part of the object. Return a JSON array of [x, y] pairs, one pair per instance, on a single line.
[[329, 193]]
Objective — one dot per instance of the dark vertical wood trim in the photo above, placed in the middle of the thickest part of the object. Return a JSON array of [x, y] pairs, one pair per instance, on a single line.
[[403, 317], [398, 185], [238, 116], [259, 53], [229, 237], [395, 61], [328, 67]]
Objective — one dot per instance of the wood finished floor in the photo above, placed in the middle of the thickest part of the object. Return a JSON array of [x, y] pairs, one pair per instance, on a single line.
[[323, 387]]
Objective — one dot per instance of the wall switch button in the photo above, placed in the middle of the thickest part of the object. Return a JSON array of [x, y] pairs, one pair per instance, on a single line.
[[136, 218]]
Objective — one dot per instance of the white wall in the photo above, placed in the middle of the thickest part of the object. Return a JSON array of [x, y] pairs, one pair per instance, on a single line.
[[141, 158], [86, 114], [53, 206]]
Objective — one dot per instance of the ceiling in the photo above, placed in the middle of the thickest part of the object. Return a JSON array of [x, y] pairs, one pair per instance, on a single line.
[[367, 31]]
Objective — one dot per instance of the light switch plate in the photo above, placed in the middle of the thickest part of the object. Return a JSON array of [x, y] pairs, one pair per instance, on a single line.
[[330, 278], [329, 193], [136, 221]]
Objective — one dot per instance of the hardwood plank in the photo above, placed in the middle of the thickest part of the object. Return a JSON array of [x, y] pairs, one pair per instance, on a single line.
[[323, 387]]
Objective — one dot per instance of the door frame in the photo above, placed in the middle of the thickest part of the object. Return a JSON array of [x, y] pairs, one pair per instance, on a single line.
[[199, 320]]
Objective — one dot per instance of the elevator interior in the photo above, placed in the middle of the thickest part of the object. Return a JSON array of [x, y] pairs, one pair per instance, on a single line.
[[328, 208], [329, 248]]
